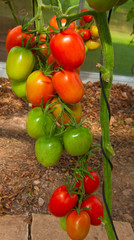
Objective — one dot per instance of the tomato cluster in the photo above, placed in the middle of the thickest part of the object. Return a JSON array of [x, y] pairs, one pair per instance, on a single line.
[[89, 32], [77, 213]]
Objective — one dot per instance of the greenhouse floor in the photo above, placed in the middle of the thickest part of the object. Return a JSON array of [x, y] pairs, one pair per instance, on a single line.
[[46, 227], [85, 76]]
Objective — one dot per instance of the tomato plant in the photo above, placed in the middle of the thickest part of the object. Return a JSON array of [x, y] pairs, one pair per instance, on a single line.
[[20, 63], [93, 44], [68, 85], [48, 150], [90, 184], [61, 202], [15, 37], [77, 140], [77, 225], [120, 2], [59, 45], [103, 5], [39, 87], [39, 123], [75, 108], [96, 209]]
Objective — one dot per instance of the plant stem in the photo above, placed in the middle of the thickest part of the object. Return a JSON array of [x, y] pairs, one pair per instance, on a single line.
[[107, 53]]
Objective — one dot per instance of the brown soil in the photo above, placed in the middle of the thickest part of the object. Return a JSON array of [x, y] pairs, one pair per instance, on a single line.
[[26, 186]]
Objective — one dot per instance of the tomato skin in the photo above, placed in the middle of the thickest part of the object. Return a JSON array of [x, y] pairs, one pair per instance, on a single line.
[[20, 63], [90, 185], [48, 150], [75, 108], [15, 36], [19, 88], [94, 32], [85, 34], [77, 140], [77, 225], [62, 223], [69, 86], [93, 44], [68, 49], [61, 202], [39, 123], [96, 209], [103, 5], [87, 18], [39, 86]]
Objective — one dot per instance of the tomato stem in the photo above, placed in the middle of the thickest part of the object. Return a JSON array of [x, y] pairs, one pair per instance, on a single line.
[[107, 54]]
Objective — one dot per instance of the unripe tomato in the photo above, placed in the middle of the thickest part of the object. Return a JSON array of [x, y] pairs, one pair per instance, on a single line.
[[94, 32], [93, 44], [20, 63], [103, 5], [39, 87], [19, 88], [75, 108]]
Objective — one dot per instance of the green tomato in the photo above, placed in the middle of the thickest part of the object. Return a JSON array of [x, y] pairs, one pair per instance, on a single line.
[[19, 88], [62, 222], [120, 2], [39, 123], [101, 5], [48, 150], [77, 140], [20, 63]]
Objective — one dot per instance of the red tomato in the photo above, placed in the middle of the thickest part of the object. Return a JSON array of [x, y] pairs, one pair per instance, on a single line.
[[85, 34], [87, 18], [77, 225], [51, 60], [15, 36], [82, 22], [39, 86], [68, 85], [96, 209], [61, 202], [68, 49], [54, 24], [90, 185]]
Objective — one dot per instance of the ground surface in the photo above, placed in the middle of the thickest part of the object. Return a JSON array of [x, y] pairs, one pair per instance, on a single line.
[[26, 186]]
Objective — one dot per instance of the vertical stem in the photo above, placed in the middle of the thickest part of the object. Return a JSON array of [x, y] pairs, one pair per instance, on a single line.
[[107, 53]]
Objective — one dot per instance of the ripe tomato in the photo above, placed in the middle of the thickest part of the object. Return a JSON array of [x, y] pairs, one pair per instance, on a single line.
[[69, 86], [77, 140], [90, 184], [68, 49], [94, 32], [42, 45], [15, 36], [54, 24], [87, 18], [39, 123], [48, 150], [19, 88], [77, 225], [39, 86], [93, 44], [20, 63], [61, 202], [51, 60], [75, 108], [85, 34], [103, 5], [96, 209]]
